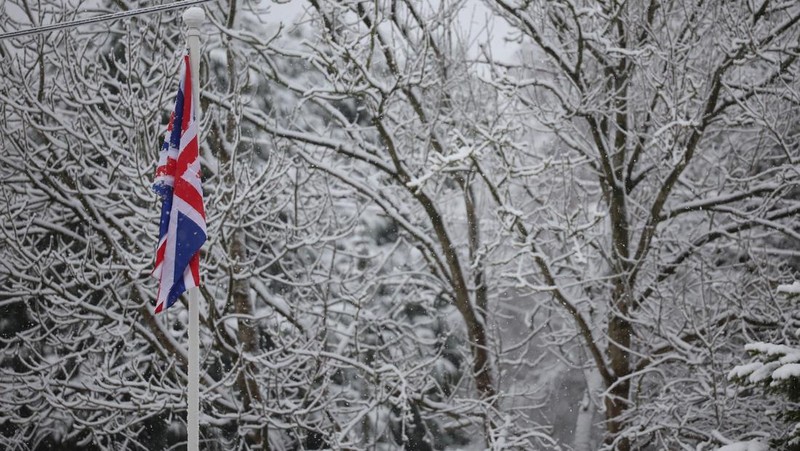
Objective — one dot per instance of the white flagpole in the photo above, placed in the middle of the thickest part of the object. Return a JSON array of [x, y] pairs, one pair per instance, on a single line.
[[193, 17]]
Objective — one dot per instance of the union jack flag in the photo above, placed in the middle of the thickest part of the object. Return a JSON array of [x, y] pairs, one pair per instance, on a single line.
[[182, 229]]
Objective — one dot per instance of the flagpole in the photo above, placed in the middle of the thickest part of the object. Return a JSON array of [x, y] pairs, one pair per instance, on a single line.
[[194, 17]]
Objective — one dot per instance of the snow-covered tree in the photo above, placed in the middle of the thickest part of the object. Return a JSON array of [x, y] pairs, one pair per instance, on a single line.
[[667, 150], [775, 368], [399, 121]]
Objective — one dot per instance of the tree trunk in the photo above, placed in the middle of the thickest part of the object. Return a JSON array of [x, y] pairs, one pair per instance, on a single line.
[[247, 335], [617, 399]]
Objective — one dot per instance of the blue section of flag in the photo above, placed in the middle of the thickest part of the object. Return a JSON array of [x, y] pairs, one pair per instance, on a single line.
[[177, 122], [166, 208], [189, 238]]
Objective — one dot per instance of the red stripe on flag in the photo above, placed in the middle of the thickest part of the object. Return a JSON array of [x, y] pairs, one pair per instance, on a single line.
[[194, 265], [187, 192], [167, 169]]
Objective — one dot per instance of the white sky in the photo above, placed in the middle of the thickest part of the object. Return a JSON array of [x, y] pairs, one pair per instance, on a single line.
[[476, 20]]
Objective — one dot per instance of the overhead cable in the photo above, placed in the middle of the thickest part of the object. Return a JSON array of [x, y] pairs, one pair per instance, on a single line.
[[103, 18]]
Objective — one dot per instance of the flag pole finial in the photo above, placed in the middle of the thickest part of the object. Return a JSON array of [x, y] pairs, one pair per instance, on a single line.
[[194, 17]]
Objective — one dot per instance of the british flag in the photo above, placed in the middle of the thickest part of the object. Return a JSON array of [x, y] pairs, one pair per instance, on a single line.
[[182, 230]]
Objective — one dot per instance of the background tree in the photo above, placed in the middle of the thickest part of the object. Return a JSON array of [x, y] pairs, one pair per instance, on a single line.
[[401, 119], [667, 148]]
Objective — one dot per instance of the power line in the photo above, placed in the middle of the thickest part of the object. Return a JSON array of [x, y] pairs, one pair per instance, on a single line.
[[103, 18]]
